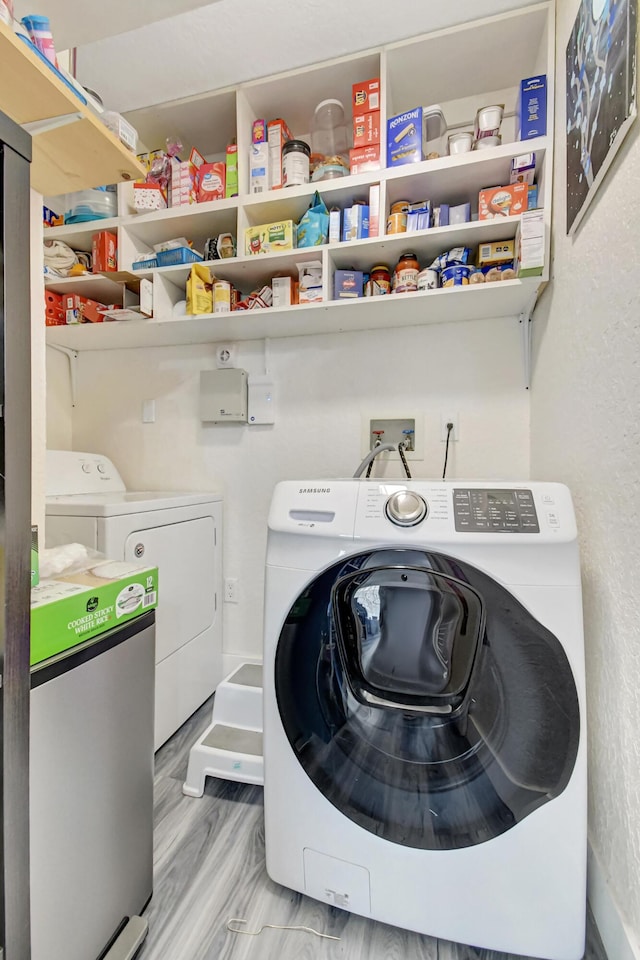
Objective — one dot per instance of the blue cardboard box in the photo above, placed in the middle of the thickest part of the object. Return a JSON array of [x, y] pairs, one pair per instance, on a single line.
[[531, 108], [404, 138], [355, 222], [348, 284]]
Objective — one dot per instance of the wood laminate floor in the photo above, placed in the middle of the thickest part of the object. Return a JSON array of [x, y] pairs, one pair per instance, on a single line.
[[209, 867]]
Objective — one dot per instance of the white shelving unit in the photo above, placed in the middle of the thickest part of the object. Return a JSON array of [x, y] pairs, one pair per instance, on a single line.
[[461, 68]]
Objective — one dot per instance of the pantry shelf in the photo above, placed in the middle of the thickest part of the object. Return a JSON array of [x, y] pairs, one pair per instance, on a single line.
[[80, 154], [507, 298], [94, 287], [78, 235]]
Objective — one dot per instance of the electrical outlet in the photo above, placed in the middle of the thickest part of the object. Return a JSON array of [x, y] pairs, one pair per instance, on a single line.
[[225, 355], [446, 418], [231, 590]]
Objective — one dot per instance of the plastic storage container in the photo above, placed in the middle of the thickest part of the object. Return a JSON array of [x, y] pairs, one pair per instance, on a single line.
[[329, 144], [41, 36], [177, 256], [90, 205]]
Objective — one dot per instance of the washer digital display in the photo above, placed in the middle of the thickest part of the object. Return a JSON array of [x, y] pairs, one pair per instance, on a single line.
[[495, 511]]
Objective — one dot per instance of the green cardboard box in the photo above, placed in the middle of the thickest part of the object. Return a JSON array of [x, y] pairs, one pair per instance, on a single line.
[[67, 610]]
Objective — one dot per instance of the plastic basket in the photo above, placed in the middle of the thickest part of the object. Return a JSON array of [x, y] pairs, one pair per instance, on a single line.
[[148, 264], [174, 258]]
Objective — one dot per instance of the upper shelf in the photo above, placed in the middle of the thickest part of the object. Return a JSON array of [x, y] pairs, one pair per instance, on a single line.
[[73, 156]]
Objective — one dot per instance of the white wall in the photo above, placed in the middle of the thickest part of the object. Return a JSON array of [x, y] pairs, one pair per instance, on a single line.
[[325, 386], [586, 431], [229, 42]]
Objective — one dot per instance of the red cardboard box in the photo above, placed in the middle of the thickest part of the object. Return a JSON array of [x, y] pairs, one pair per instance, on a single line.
[[366, 129], [211, 182], [81, 310], [366, 96], [363, 159], [54, 315], [277, 135], [104, 247], [506, 201]]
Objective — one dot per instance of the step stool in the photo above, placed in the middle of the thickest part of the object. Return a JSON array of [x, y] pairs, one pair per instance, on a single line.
[[231, 747]]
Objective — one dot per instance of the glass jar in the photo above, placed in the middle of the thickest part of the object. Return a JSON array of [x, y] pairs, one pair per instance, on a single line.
[[329, 144], [405, 275], [379, 282], [295, 163]]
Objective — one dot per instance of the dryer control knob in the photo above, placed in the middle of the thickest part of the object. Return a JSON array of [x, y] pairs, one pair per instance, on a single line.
[[406, 508], [86, 468]]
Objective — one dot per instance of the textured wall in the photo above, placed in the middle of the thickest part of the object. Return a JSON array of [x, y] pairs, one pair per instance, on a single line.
[[230, 42], [586, 432], [325, 386]]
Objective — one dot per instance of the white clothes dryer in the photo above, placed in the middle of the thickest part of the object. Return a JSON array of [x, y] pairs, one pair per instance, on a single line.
[[424, 707], [181, 534]]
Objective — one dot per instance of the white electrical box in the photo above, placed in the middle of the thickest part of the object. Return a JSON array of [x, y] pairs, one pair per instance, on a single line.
[[223, 396], [262, 399]]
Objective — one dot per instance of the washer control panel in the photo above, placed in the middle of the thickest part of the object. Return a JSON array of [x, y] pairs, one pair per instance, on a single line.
[[494, 510], [406, 508]]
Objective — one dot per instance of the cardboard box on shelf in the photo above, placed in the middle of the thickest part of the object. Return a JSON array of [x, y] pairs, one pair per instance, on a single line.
[[507, 201], [310, 282], [348, 284], [211, 182], [183, 183], [277, 135], [231, 175], [355, 222], [523, 169], [54, 312], [259, 160], [498, 251], [67, 610], [374, 210], [366, 129], [531, 108], [529, 244], [104, 251], [146, 297], [364, 159], [365, 96], [270, 237], [282, 289], [148, 197], [404, 138], [82, 310]]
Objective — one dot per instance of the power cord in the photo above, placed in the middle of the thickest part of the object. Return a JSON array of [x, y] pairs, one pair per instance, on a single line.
[[446, 449]]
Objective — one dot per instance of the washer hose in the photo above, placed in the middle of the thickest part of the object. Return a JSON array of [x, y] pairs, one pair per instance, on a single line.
[[370, 457]]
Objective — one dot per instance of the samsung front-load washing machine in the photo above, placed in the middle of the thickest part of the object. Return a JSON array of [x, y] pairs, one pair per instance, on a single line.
[[424, 708], [181, 534]]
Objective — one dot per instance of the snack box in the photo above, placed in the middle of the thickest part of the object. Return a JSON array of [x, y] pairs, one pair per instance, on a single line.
[[277, 135], [259, 166], [81, 310], [270, 237], [355, 222], [148, 196], [259, 131], [365, 96], [374, 210], [531, 108], [231, 173], [104, 251], [459, 214], [498, 251], [507, 201], [283, 291], [363, 159], [366, 128], [54, 311], [310, 282], [67, 610], [404, 138], [348, 284], [211, 181], [530, 244], [523, 169]]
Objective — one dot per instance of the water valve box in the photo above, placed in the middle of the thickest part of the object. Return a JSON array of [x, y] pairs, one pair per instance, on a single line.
[[223, 396]]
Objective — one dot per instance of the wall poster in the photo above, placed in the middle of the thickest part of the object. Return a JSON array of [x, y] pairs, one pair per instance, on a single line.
[[600, 98]]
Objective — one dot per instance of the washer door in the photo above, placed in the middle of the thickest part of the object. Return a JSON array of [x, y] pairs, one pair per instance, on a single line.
[[423, 700]]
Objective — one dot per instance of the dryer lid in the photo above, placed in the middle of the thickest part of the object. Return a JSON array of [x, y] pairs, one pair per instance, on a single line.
[[116, 504]]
